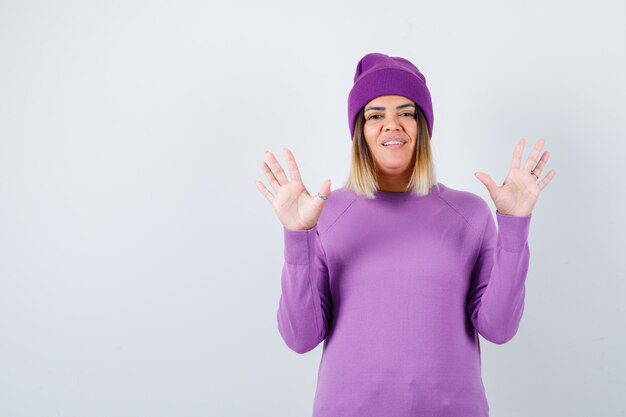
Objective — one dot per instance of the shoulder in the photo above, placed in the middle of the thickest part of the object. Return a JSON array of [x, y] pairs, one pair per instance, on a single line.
[[338, 202], [473, 208]]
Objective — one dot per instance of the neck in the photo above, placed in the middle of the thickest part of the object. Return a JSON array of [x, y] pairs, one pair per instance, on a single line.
[[394, 183]]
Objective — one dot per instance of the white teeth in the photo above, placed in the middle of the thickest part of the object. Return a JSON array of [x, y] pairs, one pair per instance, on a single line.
[[393, 142]]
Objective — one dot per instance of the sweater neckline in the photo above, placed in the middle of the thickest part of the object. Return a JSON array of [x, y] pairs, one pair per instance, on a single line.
[[408, 195]]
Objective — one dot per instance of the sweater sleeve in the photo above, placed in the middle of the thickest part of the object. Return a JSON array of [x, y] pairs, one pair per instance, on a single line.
[[497, 291], [305, 302]]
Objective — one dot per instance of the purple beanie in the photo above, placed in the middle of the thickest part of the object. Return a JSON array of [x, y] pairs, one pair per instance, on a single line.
[[379, 74]]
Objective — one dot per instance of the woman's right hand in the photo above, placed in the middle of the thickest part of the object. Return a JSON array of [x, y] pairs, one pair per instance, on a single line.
[[294, 206]]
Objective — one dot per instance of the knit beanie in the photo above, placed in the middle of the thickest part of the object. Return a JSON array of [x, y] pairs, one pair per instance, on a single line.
[[379, 74]]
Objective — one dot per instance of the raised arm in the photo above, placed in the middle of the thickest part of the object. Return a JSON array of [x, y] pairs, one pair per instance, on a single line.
[[305, 304], [497, 291], [496, 297]]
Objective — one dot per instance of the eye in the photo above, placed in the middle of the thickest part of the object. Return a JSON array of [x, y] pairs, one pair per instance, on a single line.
[[374, 116], [409, 114]]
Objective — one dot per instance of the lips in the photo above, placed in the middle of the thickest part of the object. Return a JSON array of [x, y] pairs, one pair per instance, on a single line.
[[393, 139]]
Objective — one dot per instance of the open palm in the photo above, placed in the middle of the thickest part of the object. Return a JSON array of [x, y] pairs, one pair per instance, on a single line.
[[295, 207], [520, 190]]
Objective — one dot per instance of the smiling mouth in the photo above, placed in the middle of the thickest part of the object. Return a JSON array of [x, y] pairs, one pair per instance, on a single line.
[[394, 145]]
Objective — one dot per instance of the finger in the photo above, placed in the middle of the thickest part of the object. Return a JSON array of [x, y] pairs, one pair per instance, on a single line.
[[268, 195], [278, 170], [544, 182], [294, 172], [324, 189], [270, 176], [532, 158], [517, 154], [492, 188], [542, 162], [327, 188]]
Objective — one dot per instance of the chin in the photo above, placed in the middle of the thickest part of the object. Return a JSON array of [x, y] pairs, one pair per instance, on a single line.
[[395, 165]]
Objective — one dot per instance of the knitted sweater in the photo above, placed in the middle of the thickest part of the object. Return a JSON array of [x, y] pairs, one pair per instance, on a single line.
[[398, 289]]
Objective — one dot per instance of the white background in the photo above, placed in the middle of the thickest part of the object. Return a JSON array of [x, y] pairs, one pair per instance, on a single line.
[[139, 264]]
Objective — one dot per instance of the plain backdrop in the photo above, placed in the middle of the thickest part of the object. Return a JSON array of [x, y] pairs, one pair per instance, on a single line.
[[139, 264]]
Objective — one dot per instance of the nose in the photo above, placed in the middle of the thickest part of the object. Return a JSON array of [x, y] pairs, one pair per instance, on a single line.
[[391, 123]]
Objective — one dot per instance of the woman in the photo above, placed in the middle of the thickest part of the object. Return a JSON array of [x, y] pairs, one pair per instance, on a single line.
[[396, 273]]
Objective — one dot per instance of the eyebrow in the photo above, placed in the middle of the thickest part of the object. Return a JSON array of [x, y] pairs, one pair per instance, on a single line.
[[397, 108]]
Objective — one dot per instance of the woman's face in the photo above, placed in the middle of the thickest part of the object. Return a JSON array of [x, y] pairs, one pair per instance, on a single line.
[[390, 118]]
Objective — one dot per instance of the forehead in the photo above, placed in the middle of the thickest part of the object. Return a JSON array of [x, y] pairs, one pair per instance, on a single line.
[[388, 100]]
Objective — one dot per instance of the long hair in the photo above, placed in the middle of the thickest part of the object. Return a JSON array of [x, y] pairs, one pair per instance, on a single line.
[[363, 177]]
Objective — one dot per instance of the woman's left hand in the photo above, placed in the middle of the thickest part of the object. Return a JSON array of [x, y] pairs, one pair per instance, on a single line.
[[520, 190]]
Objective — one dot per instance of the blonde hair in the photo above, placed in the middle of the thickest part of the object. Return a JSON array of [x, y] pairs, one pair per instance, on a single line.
[[363, 179]]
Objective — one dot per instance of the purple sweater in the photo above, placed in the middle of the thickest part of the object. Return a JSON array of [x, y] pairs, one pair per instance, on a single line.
[[398, 288]]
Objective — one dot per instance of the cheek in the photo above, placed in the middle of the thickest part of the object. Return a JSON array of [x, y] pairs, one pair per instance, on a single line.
[[370, 134], [411, 129]]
